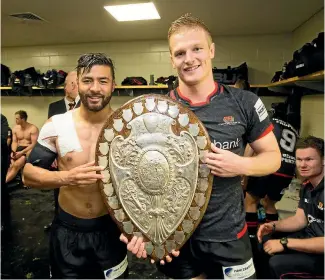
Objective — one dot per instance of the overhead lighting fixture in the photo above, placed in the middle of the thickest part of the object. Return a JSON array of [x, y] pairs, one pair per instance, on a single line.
[[132, 12]]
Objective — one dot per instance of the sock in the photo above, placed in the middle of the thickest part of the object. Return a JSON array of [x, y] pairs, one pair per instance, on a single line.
[[271, 217], [251, 220]]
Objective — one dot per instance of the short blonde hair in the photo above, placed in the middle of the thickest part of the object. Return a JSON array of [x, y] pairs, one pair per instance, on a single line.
[[188, 21]]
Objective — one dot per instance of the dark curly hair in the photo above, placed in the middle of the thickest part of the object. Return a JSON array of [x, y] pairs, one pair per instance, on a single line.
[[88, 60]]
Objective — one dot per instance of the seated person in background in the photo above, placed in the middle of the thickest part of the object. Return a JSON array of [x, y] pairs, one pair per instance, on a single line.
[[24, 138], [305, 230], [271, 187]]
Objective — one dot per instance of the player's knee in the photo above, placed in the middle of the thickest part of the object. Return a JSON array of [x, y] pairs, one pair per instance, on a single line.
[[19, 163]]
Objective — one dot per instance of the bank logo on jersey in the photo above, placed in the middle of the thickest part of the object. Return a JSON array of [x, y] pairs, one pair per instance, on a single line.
[[260, 110], [227, 145]]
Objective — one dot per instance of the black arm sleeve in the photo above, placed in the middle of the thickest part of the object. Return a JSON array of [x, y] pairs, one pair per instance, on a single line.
[[41, 156]]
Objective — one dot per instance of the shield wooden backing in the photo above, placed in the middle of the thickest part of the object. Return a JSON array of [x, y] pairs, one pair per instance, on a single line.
[[155, 184]]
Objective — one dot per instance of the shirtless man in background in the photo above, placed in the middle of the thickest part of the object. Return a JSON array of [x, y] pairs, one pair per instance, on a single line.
[[24, 139], [84, 241]]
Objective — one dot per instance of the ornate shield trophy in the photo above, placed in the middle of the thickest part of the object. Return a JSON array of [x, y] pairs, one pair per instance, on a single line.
[[155, 184]]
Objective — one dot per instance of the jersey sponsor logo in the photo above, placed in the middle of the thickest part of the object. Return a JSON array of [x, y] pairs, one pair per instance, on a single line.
[[227, 145], [306, 200], [312, 219], [117, 270], [239, 271], [260, 110], [320, 206]]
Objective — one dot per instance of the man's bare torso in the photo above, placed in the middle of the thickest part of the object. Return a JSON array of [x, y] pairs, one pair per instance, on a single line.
[[23, 135], [81, 201]]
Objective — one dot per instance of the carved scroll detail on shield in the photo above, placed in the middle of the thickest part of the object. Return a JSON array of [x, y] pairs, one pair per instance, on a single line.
[[155, 174], [155, 184]]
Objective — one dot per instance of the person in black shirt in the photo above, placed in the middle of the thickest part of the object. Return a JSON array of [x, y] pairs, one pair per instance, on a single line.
[[220, 246], [271, 187], [306, 228]]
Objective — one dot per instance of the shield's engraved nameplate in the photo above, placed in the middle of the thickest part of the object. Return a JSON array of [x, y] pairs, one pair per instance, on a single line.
[[138, 108], [119, 215], [113, 202], [109, 134], [162, 106], [118, 125], [195, 213], [108, 189], [103, 161], [187, 226], [201, 142], [149, 247], [179, 237], [106, 175], [202, 154], [194, 129], [155, 183], [183, 119], [104, 148], [127, 115], [199, 199], [170, 245], [173, 111], [203, 184], [204, 171], [128, 227], [150, 104], [160, 251]]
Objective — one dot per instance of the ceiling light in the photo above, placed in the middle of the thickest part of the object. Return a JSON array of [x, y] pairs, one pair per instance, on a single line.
[[131, 12]]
